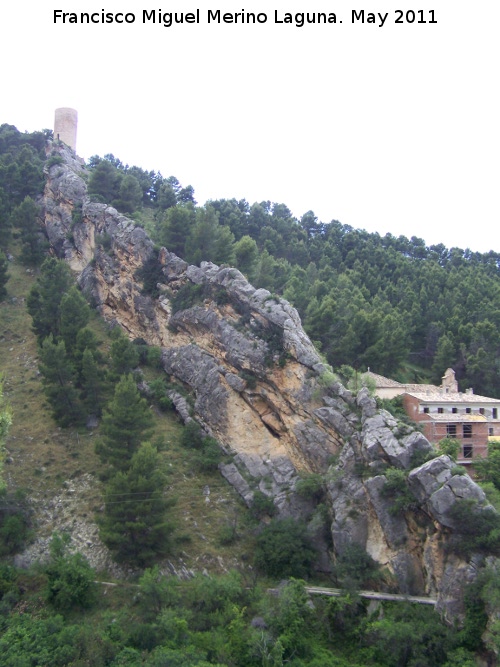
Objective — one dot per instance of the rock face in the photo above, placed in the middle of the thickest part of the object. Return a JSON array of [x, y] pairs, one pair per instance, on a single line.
[[261, 389]]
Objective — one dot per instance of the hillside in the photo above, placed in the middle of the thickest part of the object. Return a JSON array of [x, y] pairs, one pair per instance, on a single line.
[[364, 496], [262, 391], [59, 470]]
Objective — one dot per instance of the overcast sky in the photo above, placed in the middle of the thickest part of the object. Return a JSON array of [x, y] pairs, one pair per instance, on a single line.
[[391, 128]]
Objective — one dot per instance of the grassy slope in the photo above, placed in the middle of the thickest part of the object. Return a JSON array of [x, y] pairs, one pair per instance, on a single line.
[[41, 457]]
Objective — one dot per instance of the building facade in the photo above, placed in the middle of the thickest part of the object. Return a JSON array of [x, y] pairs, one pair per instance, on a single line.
[[444, 412]]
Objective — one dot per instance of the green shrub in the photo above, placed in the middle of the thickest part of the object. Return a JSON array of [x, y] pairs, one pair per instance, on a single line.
[[211, 599], [192, 436], [188, 296], [53, 160], [396, 408], [9, 589], [142, 349], [153, 357], [97, 199], [158, 388], [228, 534], [396, 488], [157, 592], [14, 532], [145, 636], [249, 377], [77, 214], [476, 616], [151, 273], [70, 579], [355, 567], [408, 635], [311, 487], [208, 452], [220, 295], [449, 446], [104, 240], [210, 455], [488, 469], [420, 457], [327, 378], [284, 549], [492, 493], [262, 505], [477, 529]]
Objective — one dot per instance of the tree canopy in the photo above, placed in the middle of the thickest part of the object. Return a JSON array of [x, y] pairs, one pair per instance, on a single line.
[[396, 305]]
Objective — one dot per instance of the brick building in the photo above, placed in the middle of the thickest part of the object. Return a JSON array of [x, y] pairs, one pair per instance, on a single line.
[[444, 412]]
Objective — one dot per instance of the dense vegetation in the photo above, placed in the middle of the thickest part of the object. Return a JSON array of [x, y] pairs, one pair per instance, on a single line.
[[394, 304], [391, 303], [402, 308], [59, 616]]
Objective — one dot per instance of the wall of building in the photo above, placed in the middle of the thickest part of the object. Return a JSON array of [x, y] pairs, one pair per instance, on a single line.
[[472, 435], [389, 392]]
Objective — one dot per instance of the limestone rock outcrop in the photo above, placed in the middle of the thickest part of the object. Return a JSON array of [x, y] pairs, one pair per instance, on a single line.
[[438, 489], [260, 388]]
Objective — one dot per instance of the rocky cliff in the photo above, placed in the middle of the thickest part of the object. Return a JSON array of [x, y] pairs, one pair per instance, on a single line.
[[261, 389]]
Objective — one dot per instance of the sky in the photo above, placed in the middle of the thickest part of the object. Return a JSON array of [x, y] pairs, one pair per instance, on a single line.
[[385, 126]]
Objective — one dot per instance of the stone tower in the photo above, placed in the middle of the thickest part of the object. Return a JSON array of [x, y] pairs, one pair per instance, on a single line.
[[65, 125]]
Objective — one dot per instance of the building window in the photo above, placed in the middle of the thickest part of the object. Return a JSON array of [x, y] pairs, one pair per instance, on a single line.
[[494, 413], [467, 451], [490, 431], [481, 411], [468, 411], [454, 410], [467, 430], [426, 411], [440, 411], [451, 430]]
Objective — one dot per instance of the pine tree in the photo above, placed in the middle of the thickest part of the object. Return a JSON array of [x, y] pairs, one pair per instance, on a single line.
[[247, 257], [93, 383], [124, 356], [44, 299], [208, 240], [223, 252], [134, 525], [86, 340], [130, 194], [166, 197], [125, 423], [34, 244], [175, 227], [105, 181], [445, 356], [75, 314], [59, 382], [151, 273]]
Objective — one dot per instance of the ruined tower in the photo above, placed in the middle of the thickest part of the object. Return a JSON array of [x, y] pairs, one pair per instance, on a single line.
[[65, 125]]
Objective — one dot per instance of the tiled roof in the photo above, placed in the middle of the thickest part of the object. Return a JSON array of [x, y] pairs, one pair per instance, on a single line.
[[430, 393], [450, 417], [381, 381], [421, 388], [437, 396]]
